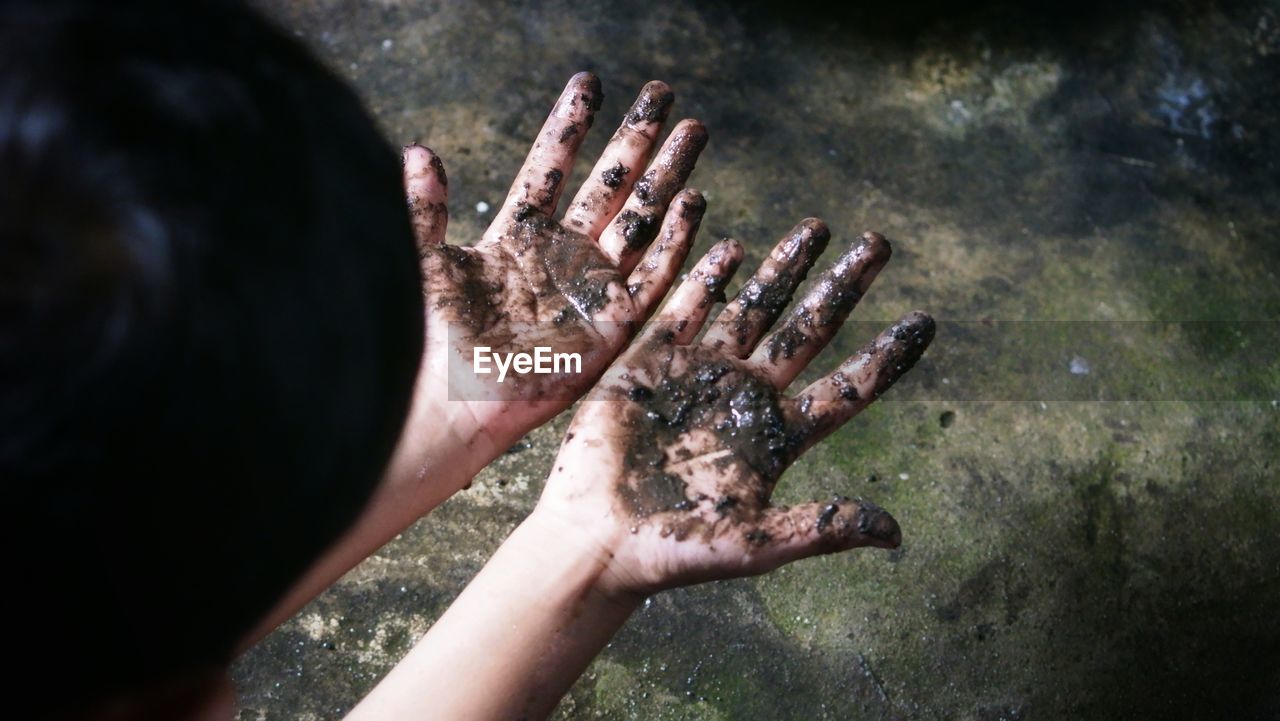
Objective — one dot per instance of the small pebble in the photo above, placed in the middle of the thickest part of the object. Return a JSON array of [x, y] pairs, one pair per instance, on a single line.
[[1079, 366], [386, 44], [904, 476]]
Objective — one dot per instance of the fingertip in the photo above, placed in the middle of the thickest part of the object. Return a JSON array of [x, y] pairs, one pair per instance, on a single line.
[[877, 246], [815, 228], [845, 523], [421, 163], [691, 197], [585, 80], [899, 349], [921, 324], [919, 317], [415, 152], [584, 88], [692, 132], [804, 243], [878, 525], [692, 204], [733, 252], [652, 105], [656, 87], [691, 125]]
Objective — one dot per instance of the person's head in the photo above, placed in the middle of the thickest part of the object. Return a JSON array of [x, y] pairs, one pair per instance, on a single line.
[[210, 325]]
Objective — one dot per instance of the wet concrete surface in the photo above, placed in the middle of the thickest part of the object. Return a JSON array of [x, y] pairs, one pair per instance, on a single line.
[[1060, 559]]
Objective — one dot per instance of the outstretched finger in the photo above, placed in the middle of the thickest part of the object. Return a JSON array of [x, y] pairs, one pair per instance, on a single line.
[[604, 191], [703, 287], [426, 191], [783, 535], [652, 278], [835, 398], [637, 224], [761, 300], [539, 183], [813, 322]]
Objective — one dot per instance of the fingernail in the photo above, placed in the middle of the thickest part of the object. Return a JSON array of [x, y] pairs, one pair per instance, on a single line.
[[875, 522], [876, 244], [818, 230], [692, 205]]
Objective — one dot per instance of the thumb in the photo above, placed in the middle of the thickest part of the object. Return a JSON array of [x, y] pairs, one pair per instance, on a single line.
[[427, 191], [785, 534]]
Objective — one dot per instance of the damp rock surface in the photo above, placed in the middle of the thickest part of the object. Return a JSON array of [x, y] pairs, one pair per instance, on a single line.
[[1046, 162]]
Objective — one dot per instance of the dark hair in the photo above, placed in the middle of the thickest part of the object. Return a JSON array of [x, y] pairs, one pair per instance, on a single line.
[[210, 325]]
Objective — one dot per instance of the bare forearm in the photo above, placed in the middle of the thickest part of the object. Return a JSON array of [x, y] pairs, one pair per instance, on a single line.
[[515, 640]]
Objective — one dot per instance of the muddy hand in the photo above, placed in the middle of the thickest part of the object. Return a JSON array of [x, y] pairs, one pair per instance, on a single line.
[[671, 463], [576, 283]]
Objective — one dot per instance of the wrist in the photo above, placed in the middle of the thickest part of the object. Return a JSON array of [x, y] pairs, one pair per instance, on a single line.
[[441, 448], [561, 540]]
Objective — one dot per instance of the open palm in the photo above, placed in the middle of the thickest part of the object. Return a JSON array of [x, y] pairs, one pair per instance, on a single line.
[[672, 460], [577, 284]]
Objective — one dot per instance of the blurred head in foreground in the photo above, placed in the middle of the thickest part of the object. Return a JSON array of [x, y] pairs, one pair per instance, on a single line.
[[210, 322]]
